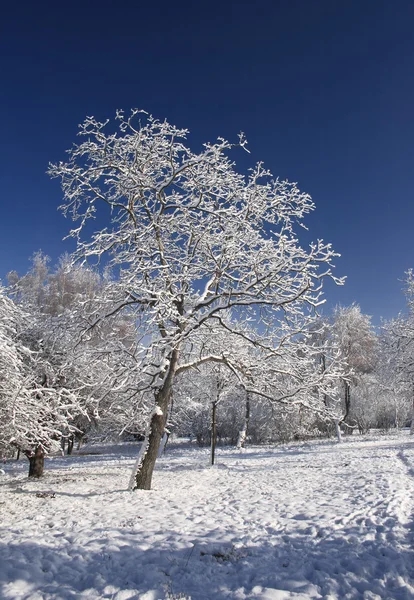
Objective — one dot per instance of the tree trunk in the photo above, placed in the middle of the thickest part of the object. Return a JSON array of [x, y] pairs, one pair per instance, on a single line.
[[243, 433], [213, 431], [164, 441], [142, 475], [347, 399], [325, 396], [36, 463], [412, 420], [338, 431], [71, 441]]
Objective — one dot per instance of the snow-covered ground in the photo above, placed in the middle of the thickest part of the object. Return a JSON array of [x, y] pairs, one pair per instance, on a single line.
[[314, 520]]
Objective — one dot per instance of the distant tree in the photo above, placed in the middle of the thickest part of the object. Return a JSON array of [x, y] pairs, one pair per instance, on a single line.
[[400, 346], [358, 346], [12, 361], [381, 398], [195, 243], [214, 388], [61, 301], [34, 406]]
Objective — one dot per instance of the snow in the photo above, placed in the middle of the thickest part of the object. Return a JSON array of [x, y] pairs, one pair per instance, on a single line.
[[302, 521]]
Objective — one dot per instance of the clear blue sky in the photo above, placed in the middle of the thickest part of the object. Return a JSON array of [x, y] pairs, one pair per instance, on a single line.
[[323, 89]]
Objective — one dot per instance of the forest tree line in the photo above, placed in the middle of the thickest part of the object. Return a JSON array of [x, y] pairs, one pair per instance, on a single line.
[[62, 384]]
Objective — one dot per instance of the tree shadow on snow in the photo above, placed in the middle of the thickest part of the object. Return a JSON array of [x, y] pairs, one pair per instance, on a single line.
[[215, 566], [59, 492]]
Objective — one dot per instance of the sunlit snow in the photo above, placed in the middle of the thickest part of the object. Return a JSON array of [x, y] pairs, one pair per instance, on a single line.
[[310, 520]]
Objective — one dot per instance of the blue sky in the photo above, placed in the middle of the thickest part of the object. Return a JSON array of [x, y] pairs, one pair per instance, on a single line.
[[324, 91]]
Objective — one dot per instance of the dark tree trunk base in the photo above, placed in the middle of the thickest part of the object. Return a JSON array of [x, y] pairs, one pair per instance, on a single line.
[[37, 463], [213, 432], [71, 441]]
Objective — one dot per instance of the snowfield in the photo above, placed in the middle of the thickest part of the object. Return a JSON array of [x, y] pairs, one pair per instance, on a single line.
[[309, 520]]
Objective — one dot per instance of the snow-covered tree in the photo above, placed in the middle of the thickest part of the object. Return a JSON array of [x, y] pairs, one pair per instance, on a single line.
[[12, 361], [381, 398], [358, 346], [60, 302], [194, 243], [400, 347], [35, 407]]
